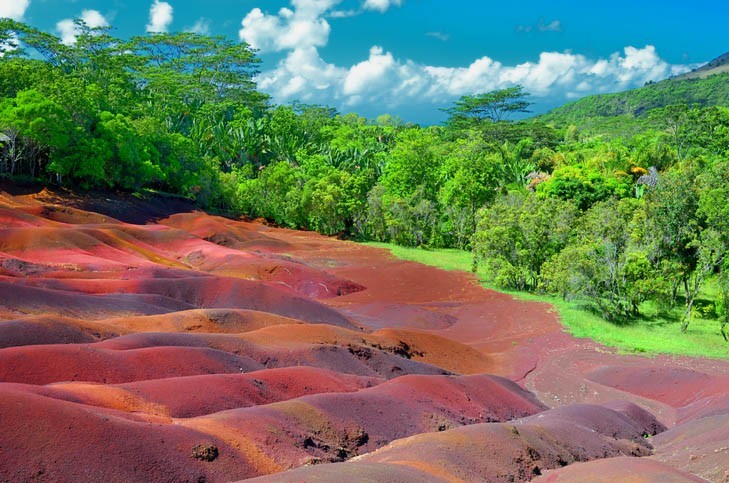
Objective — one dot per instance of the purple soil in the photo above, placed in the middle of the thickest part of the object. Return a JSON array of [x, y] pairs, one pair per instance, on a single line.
[[329, 427], [146, 297], [699, 446], [516, 451], [52, 330], [191, 396], [610, 470], [58, 363], [52, 440]]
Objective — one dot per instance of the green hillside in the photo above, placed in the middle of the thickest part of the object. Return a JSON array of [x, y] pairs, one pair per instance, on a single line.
[[625, 113], [716, 66]]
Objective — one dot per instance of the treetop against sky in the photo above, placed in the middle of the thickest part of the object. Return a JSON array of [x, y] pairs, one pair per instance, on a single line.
[[411, 57]]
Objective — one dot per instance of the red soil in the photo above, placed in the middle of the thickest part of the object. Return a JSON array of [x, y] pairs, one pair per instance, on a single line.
[[519, 450], [331, 427], [54, 440], [57, 363], [123, 345], [52, 330], [184, 397]]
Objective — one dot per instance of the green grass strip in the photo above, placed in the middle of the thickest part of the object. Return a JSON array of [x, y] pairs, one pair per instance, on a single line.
[[650, 335]]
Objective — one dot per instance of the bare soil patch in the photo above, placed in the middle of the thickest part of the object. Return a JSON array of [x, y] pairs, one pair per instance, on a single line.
[[143, 340]]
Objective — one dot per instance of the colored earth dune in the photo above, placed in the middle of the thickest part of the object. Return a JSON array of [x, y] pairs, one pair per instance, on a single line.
[[144, 341]]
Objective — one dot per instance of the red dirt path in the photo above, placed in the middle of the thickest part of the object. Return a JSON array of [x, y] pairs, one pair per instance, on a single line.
[[131, 333]]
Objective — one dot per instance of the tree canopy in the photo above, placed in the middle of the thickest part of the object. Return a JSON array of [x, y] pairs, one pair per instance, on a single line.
[[490, 107]]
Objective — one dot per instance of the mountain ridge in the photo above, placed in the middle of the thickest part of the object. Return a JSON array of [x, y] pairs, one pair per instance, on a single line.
[[705, 86], [717, 65]]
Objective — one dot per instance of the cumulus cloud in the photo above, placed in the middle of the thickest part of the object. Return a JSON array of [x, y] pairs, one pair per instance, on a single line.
[[302, 27], [160, 17], [9, 44], [372, 73], [14, 9], [344, 13], [383, 79], [304, 76], [380, 5], [69, 31]]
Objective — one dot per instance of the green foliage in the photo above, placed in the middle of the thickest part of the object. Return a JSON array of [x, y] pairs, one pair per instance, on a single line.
[[605, 262], [39, 129], [583, 186], [413, 164], [518, 233], [625, 113], [652, 334], [493, 107], [324, 201], [276, 194]]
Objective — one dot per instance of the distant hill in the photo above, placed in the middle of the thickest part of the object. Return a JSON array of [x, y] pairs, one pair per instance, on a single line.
[[719, 65], [705, 86]]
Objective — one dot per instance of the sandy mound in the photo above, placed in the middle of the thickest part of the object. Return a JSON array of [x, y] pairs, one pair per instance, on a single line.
[[674, 386], [183, 397], [517, 451], [336, 427], [62, 441], [58, 363], [202, 320], [699, 446], [52, 330]]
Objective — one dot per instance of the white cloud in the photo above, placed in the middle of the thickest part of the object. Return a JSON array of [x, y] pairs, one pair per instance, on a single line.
[[160, 17], [443, 37], [372, 73], [202, 27], [383, 80], [69, 30], [8, 45], [344, 13], [301, 26], [541, 26], [553, 26], [94, 19], [14, 9], [290, 29], [304, 76], [380, 5]]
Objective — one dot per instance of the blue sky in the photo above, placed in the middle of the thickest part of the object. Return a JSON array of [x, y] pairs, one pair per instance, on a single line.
[[412, 57]]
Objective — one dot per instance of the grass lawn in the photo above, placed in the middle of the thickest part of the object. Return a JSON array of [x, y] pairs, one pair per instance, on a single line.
[[652, 334]]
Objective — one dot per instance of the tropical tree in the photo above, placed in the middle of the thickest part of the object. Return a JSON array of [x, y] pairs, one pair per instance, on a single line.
[[605, 262], [490, 107], [518, 233]]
